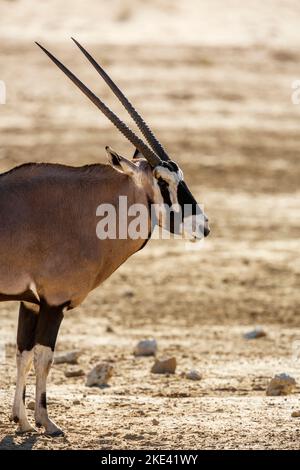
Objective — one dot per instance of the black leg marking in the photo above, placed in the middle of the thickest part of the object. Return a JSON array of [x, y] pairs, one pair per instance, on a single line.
[[48, 325], [24, 394], [43, 400], [15, 419], [27, 324]]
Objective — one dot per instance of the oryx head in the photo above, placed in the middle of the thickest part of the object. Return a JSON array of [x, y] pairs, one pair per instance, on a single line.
[[169, 187]]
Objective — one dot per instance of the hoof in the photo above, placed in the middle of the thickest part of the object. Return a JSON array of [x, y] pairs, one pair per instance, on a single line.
[[29, 430]]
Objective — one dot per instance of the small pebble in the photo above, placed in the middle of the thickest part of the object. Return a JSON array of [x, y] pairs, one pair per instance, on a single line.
[[193, 375], [256, 333], [99, 375], [164, 366], [155, 422], [296, 414], [67, 358], [281, 384], [74, 372], [128, 293], [146, 347]]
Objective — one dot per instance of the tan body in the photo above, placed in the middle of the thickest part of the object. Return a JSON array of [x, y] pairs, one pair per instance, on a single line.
[[48, 240]]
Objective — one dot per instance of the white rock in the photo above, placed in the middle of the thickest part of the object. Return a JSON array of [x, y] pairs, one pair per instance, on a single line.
[[281, 384], [99, 375], [193, 374], [67, 358], [146, 347]]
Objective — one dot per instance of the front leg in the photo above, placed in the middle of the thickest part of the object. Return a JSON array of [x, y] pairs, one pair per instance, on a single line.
[[28, 318], [47, 330], [19, 415]]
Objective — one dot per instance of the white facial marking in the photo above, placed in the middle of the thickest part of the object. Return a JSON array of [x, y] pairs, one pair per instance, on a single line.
[[172, 178], [160, 211], [193, 227]]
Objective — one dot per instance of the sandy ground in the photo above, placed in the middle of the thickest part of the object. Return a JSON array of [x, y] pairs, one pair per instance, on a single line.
[[218, 92]]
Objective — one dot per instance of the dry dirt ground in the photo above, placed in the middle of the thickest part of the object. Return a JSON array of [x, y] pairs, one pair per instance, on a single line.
[[220, 100]]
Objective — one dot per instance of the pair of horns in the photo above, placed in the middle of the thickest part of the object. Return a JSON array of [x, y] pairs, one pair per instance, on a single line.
[[156, 153]]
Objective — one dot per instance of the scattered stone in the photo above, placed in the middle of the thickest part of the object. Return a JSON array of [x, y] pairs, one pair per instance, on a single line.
[[146, 347], [296, 414], [255, 334], [76, 402], [164, 366], [155, 422], [193, 374], [281, 384], [134, 437], [74, 372], [99, 375], [31, 405], [67, 358], [109, 329], [128, 293]]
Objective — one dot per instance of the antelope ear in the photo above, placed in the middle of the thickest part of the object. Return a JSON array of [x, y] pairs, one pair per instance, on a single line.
[[121, 164], [137, 154]]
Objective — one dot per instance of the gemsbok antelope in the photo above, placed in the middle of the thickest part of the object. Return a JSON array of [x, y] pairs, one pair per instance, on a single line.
[[50, 256]]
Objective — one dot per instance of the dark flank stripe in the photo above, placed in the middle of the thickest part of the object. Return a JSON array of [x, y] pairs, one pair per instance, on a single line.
[[151, 226]]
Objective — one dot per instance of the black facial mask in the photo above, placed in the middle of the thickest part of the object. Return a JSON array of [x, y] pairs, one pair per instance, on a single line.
[[185, 197]]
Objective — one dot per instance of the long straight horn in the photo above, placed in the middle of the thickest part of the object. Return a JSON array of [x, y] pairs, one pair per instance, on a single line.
[[152, 158], [146, 131]]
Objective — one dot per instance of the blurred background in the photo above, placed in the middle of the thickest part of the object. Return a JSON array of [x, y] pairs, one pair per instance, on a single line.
[[214, 80]]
